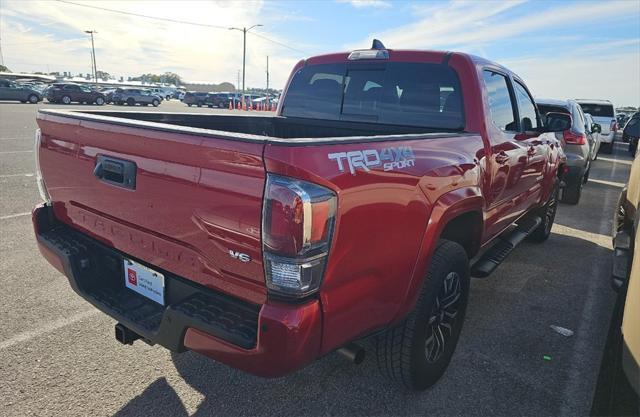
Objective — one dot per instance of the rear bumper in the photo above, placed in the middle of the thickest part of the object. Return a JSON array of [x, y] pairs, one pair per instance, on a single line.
[[608, 138], [269, 340]]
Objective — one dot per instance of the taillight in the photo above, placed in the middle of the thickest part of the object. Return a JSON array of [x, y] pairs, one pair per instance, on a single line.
[[614, 126], [574, 138], [297, 225], [42, 188]]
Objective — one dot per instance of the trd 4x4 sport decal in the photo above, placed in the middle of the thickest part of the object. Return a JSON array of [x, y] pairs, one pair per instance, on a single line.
[[389, 158]]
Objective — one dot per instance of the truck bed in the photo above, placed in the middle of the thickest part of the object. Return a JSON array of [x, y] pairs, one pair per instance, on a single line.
[[274, 129]]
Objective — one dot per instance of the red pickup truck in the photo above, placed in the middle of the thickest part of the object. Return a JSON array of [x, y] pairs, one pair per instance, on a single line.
[[386, 180]]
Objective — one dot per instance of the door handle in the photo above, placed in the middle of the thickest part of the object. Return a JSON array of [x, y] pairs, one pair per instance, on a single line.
[[502, 157]]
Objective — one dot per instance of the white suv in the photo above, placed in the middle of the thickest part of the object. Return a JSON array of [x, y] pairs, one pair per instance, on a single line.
[[604, 114]]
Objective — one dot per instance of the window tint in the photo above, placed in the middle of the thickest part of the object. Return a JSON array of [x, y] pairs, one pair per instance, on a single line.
[[598, 110], [411, 94], [528, 118], [579, 121], [500, 104]]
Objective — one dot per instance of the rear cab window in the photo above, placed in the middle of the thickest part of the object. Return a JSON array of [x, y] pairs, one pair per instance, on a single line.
[[394, 93]]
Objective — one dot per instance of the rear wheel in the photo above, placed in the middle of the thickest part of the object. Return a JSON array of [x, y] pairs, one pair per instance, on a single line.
[[99, 101], [155, 103], [66, 100], [131, 102], [33, 99], [572, 192], [417, 352], [548, 215]]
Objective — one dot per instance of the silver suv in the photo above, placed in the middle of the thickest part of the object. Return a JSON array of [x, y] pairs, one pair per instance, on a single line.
[[604, 114], [579, 142], [133, 96]]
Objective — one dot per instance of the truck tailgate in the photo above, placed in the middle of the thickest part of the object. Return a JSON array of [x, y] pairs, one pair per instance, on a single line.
[[194, 202]]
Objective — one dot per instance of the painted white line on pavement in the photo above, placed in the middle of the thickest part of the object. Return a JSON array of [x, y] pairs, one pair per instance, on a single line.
[[48, 328], [615, 161], [16, 175], [11, 216], [611, 183], [581, 382], [9, 152]]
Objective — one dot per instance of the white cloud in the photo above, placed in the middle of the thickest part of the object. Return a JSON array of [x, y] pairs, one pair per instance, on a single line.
[[129, 45], [367, 4]]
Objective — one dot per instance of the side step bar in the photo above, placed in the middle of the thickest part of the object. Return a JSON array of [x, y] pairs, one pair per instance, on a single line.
[[491, 259]]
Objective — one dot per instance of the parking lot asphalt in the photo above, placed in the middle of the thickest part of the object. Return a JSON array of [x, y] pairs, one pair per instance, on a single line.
[[58, 356]]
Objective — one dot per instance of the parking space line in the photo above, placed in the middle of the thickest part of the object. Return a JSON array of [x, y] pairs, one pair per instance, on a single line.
[[11, 216], [611, 183], [8, 152], [17, 175], [615, 161], [48, 328]]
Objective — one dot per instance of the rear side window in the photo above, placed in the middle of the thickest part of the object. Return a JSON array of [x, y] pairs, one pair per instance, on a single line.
[[549, 108], [500, 105], [528, 116], [395, 93], [633, 127], [598, 110]]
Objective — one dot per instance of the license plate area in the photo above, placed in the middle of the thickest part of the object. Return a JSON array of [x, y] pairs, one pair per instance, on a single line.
[[143, 280]]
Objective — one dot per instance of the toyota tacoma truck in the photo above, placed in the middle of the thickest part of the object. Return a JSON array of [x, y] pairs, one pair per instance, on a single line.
[[385, 181]]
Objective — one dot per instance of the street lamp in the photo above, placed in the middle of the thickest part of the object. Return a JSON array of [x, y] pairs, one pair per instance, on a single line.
[[93, 56], [244, 50]]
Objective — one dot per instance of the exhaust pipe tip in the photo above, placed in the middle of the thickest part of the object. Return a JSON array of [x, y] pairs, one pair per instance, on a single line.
[[125, 335], [355, 353]]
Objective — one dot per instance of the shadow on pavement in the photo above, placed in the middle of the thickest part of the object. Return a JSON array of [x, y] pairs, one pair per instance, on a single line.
[[498, 368]]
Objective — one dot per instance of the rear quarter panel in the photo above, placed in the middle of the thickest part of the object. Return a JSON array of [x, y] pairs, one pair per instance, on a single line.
[[381, 221]]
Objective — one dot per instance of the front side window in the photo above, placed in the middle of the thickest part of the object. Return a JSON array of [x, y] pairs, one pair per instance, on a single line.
[[528, 116], [394, 93], [500, 105]]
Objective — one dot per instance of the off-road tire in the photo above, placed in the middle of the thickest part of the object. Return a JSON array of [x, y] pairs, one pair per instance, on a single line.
[[402, 350], [548, 215]]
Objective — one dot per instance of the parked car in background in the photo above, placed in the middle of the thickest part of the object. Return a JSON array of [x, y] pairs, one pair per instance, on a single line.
[[160, 92], [577, 142], [9, 90], [631, 133], [622, 119], [626, 271], [108, 94], [179, 94], [133, 96], [220, 100], [604, 114], [67, 93], [593, 135], [196, 98]]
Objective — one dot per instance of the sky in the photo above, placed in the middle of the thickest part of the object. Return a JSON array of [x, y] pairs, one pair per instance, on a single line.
[[562, 49]]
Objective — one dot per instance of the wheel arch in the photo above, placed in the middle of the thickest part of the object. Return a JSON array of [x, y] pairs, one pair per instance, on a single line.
[[456, 216]]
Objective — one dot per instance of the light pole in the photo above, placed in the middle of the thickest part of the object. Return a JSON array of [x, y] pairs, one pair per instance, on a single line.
[[93, 56], [244, 31]]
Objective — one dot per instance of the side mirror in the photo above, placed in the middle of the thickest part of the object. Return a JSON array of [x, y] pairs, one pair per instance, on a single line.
[[596, 128], [558, 122]]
